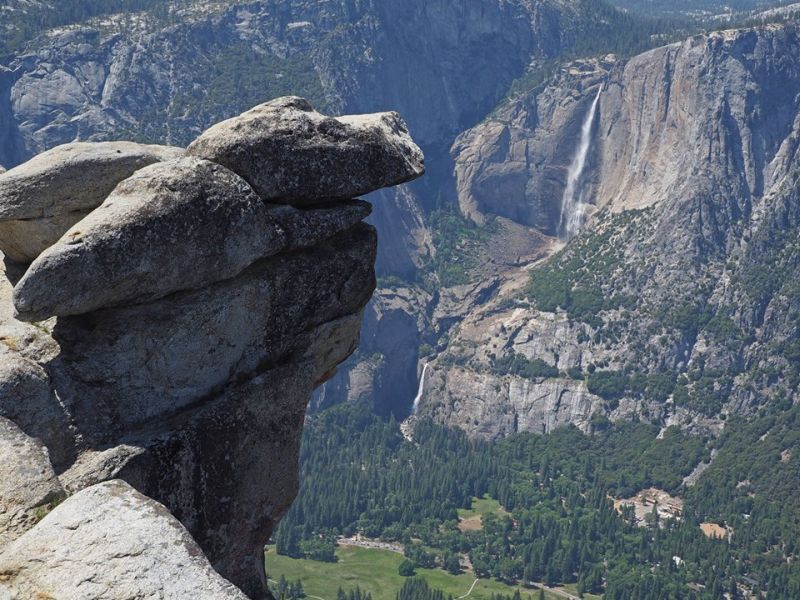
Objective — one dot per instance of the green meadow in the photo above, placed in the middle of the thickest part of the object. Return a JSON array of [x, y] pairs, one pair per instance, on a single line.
[[375, 571]]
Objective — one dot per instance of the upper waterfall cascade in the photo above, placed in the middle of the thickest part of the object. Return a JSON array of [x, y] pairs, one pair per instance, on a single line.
[[573, 207]]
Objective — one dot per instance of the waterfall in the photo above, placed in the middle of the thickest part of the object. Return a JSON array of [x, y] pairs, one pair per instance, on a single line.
[[573, 209], [420, 390]]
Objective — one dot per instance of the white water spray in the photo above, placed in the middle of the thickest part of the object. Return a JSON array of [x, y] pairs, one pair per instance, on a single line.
[[420, 390], [573, 208]]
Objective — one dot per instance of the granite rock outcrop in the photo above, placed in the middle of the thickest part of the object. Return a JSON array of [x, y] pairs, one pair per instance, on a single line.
[[45, 196], [156, 359], [109, 541], [290, 153]]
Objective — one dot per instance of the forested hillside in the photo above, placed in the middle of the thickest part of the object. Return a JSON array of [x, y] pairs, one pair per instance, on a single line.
[[559, 524], [700, 8]]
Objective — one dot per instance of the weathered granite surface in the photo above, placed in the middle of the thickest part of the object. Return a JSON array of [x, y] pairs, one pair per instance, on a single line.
[[110, 542], [171, 340], [292, 154], [28, 484], [42, 198]]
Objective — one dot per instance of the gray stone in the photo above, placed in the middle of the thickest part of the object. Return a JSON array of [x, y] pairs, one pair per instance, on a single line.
[[121, 368], [26, 399], [23, 240], [307, 227], [292, 154], [28, 484], [136, 391], [514, 164], [693, 168], [147, 386], [490, 406], [42, 198], [190, 383], [110, 542], [232, 505], [172, 226], [25, 393]]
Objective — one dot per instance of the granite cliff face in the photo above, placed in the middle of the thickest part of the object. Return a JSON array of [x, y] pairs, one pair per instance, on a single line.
[[164, 75], [678, 301], [689, 144], [158, 354], [514, 163]]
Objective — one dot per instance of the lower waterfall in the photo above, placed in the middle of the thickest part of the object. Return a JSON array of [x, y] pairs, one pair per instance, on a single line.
[[420, 390]]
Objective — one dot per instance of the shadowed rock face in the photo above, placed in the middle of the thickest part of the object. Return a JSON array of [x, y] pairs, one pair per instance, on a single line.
[[180, 328], [11, 149]]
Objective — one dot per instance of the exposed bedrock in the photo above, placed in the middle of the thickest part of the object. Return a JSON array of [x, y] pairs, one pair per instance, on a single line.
[[170, 339], [692, 175], [292, 154], [109, 541], [42, 198]]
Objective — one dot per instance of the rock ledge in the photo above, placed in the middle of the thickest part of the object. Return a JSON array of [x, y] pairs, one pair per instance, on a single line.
[[160, 337]]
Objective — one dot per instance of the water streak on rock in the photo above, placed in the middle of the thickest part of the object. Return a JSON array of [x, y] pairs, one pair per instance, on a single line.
[[420, 390], [573, 208]]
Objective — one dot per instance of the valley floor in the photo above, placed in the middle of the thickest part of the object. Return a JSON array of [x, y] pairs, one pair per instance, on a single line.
[[375, 571]]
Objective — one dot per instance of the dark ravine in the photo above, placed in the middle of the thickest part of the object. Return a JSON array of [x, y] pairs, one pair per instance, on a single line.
[[157, 358]]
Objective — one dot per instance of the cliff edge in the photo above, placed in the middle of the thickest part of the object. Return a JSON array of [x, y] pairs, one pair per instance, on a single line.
[[164, 316]]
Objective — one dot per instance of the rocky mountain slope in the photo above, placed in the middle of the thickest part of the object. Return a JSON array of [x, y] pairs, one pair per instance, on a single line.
[[686, 143], [161, 340], [678, 302], [161, 72]]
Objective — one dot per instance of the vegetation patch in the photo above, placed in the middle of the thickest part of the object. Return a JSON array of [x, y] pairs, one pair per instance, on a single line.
[[455, 238], [581, 279], [375, 572], [517, 364], [472, 519]]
